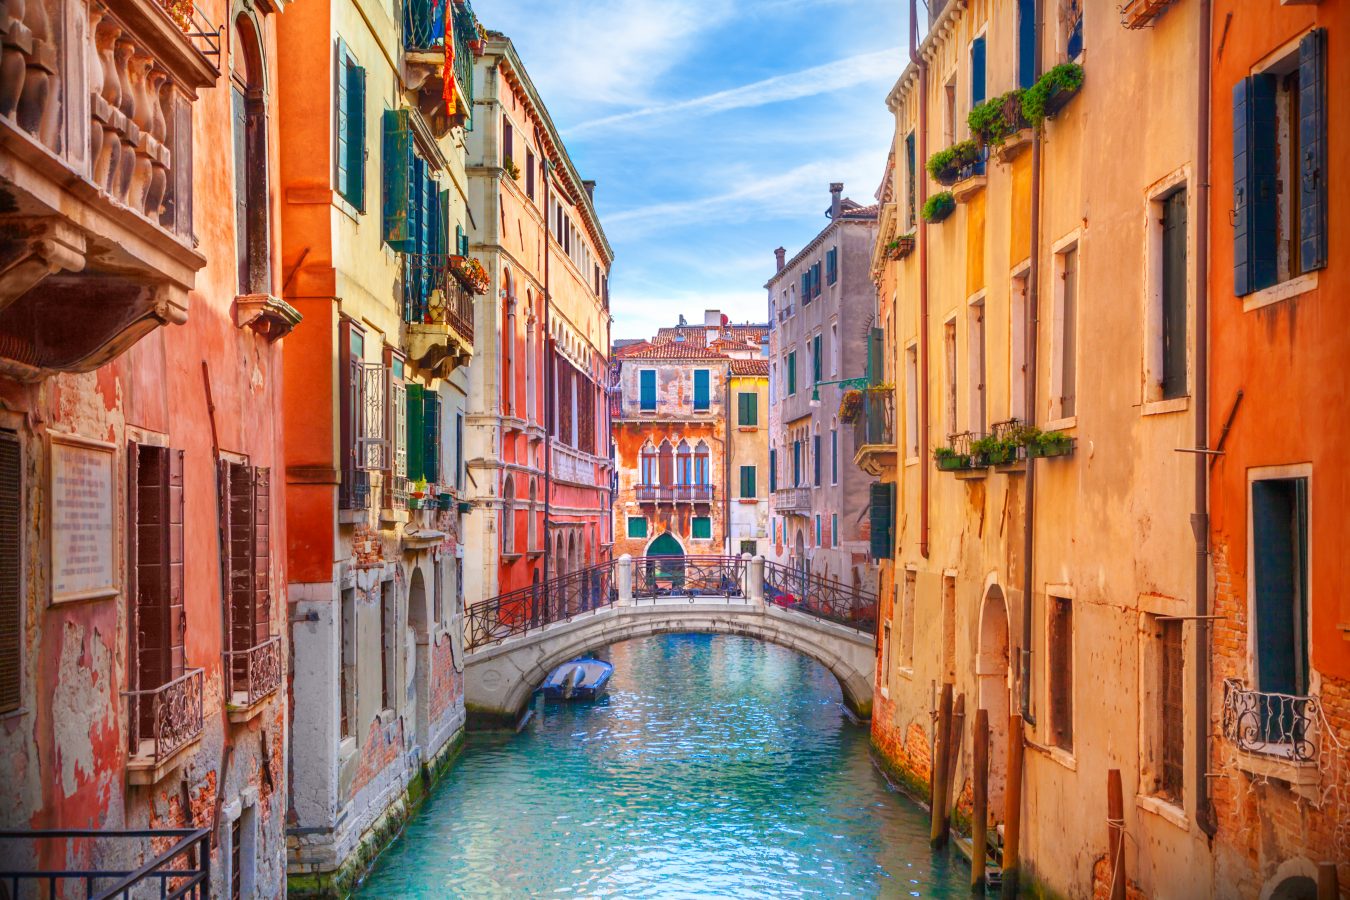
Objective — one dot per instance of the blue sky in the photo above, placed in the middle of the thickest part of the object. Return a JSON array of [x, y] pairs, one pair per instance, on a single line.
[[713, 129]]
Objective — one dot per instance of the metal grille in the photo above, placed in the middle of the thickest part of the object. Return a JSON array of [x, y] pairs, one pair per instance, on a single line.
[[11, 519], [1173, 715], [182, 869], [372, 445]]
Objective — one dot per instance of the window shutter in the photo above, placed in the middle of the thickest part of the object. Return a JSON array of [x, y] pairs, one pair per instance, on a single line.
[[240, 542], [174, 573], [356, 136], [701, 382], [876, 356], [1026, 43], [431, 450], [1312, 140], [977, 71], [1254, 196], [341, 112], [815, 458], [397, 168], [647, 377], [882, 500], [773, 470], [11, 525], [262, 556], [416, 441]]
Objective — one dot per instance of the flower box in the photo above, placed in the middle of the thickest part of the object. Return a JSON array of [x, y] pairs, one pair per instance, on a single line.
[[938, 207], [1051, 93], [1051, 445], [900, 247], [470, 273]]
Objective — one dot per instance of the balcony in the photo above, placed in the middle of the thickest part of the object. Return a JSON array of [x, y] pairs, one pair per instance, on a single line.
[[874, 433], [1275, 734], [161, 723], [429, 58], [176, 863], [438, 308], [792, 500], [698, 494], [255, 674], [96, 149]]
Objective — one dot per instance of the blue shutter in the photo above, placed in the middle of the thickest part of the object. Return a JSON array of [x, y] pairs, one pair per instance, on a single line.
[[977, 71], [701, 389], [1026, 43], [356, 135], [883, 498], [431, 446], [1312, 141], [815, 454], [397, 164], [815, 280], [1254, 195], [647, 388]]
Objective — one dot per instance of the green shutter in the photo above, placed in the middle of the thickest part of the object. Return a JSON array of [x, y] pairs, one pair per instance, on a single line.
[[883, 499], [637, 526], [431, 429], [702, 527], [773, 470], [1312, 140], [792, 372], [701, 388], [876, 356], [356, 135], [748, 410], [647, 385], [748, 482], [397, 165], [414, 439]]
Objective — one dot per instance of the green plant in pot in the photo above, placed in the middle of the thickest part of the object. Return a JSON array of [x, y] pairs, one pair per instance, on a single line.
[[948, 460], [1052, 443], [1051, 92], [998, 118], [945, 166], [994, 451], [938, 207]]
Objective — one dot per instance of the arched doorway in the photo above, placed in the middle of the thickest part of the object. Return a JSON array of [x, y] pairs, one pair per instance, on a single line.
[[664, 571], [992, 674], [799, 553], [421, 626]]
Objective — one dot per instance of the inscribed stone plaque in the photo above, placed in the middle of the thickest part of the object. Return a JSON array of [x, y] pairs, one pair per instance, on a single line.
[[82, 521]]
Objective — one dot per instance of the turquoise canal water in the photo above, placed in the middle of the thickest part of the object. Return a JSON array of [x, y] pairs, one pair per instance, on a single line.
[[716, 767]]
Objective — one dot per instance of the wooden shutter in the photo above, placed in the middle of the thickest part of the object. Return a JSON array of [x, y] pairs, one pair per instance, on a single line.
[[880, 520], [11, 602], [431, 448], [173, 542], [1254, 188], [815, 459], [356, 135], [773, 470], [239, 122], [1312, 140], [1061, 672], [1173, 711], [341, 112], [416, 442], [701, 389], [237, 557], [397, 167], [1174, 295], [262, 556], [153, 625], [977, 78]]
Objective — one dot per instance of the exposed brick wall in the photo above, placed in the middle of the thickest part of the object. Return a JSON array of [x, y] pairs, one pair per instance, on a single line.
[[447, 684], [382, 746], [367, 548]]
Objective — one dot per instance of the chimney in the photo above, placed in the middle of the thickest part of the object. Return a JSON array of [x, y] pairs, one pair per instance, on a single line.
[[712, 324], [589, 185], [836, 189], [780, 257]]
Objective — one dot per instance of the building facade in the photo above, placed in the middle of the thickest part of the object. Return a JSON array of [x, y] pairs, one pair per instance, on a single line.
[[1049, 577], [142, 565], [376, 250], [537, 438], [822, 315], [1280, 683], [748, 455], [672, 411]]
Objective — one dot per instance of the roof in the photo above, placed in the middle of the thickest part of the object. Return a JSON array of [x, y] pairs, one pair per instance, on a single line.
[[849, 211], [758, 367], [699, 333], [667, 350]]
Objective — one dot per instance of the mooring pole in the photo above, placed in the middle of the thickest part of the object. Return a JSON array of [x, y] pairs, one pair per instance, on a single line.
[[936, 834], [953, 757], [979, 814], [1012, 808], [1115, 831]]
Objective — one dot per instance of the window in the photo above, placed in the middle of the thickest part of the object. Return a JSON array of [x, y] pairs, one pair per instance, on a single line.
[[1071, 27], [424, 433], [747, 403], [388, 644], [806, 288], [1279, 591], [834, 529], [949, 348], [1166, 362], [701, 528], [529, 173], [750, 547], [532, 518], [949, 629], [977, 71], [817, 363], [835, 349], [797, 463], [355, 488], [666, 462], [508, 143], [773, 469], [1026, 43], [647, 463], [907, 620], [509, 515], [245, 498], [11, 589], [1060, 661], [818, 541], [815, 280], [885, 671], [1017, 349], [911, 187], [911, 401], [792, 373], [834, 456], [1064, 364], [881, 518], [1279, 169], [249, 118], [949, 111], [748, 482], [637, 526], [349, 175], [815, 459], [459, 451], [158, 626], [1171, 711], [702, 384], [347, 677], [701, 466], [832, 265], [684, 463], [647, 389], [975, 335]]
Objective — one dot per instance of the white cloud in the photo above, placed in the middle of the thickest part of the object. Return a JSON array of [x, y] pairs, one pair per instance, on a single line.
[[851, 71]]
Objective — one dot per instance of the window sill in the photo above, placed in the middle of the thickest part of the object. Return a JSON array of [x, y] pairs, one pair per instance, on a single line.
[[1061, 424], [1163, 809], [346, 207], [395, 516], [143, 771], [906, 672], [239, 711], [1162, 407], [511, 557], [1062, 757], [1276, 293], [748, 501], [747, 428], [912, 461], [970, 474], [352, 516], [346, 749]]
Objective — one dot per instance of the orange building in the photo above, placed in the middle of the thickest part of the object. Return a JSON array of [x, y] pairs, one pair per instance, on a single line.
[[1279, 277], [142, 579]]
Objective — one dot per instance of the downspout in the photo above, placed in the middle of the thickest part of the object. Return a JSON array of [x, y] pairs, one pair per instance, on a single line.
[[1032, 320], [548, 377], [726, 466], [1204, 814], [922, 180]]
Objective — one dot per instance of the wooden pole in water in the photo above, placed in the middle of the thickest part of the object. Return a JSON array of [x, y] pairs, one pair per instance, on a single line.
[[1327, 888], [953, 756], [1012, 807], [979, 814], [936, 837], [1115, 831]]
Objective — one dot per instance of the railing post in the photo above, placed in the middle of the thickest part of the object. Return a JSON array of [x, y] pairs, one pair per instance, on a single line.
[[755, 569], [623, 574]]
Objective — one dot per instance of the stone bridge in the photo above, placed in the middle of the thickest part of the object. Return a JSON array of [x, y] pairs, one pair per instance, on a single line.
[[515, 640]]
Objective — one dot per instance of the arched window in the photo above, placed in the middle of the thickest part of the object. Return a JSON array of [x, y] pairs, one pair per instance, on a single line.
[[534, 523], [701, 463], [248, 113], [683, 463], [647, 463], [509, 515], [666, 463], [531, 376], [508, 343]]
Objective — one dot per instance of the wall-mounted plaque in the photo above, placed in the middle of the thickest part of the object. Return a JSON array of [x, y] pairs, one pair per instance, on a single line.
[[82, 504]]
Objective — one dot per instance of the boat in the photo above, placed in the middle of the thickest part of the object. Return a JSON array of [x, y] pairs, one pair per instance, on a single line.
[[580, 679]]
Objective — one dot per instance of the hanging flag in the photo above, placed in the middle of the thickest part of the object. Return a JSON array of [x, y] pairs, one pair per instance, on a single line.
[[448, 87]]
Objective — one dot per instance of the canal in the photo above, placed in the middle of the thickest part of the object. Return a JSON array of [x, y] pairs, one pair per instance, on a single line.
[[716, 767]]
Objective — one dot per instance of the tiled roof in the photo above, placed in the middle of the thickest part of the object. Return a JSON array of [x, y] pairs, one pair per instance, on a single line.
[[668, 350], [750, 367], [861, 212], [724, 344]]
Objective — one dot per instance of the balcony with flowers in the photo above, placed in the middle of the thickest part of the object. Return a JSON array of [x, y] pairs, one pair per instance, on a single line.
[[438, 292], [441, 40]]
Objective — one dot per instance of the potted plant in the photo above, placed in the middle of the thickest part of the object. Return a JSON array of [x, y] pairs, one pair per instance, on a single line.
[[469, 272], [938, 207], [948, 460], [1051, 92], [445, 501], [850, 405], [946, 166], [900, 247], [511, 168], [998, 118], [419, 489], [1049, 444], [993, 451]]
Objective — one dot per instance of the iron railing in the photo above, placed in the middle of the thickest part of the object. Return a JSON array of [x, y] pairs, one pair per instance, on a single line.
[[256, 671], [876, 420], [674, 493], [181, 871], [432, 295], [528, 608], [688, 576], [170, 713], [1280, 725], [424, 28], [824, 598]]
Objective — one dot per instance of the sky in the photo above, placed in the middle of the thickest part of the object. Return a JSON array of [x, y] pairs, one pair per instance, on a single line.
[[713, 129]]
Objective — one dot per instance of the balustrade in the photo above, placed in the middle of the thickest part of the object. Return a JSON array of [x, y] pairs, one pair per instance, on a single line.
[[255, 672], [164, 719]]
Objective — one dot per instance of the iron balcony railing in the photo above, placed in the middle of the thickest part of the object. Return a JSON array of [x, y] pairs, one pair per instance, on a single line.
[[183, 870], [688, 576], [163, 719], [824, 598], [875, 424], [522, 610], [1279, 725], [432, 295], [424, 28], [256, 671]]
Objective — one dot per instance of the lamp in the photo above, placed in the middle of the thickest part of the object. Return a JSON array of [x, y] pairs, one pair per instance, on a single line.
[[854, 383]]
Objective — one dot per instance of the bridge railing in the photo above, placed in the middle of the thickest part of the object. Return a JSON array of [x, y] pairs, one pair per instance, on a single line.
[[555, 600], [689, 576], [824, 598]]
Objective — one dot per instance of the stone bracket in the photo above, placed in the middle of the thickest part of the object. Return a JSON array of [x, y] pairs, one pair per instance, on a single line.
[[270, 316]]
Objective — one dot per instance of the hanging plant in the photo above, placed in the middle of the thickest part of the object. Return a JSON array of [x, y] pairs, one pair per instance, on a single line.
[[998, 118], [946, 165], [938, 207], [1051, 92], [469, 272], [850, 405], [900, 247]]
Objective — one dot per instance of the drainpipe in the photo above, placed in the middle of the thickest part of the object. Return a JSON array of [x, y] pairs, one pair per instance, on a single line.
[[1204, 814], [923, 278], [548, 377], [726, 465], [1032, 319]]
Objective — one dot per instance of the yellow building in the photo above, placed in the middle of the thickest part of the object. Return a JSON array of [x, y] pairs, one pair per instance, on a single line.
[[748, 457], [1043, 275]]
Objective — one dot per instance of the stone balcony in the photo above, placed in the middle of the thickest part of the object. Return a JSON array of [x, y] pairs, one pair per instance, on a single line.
[[792, 500], [438, 310], [96, 111]]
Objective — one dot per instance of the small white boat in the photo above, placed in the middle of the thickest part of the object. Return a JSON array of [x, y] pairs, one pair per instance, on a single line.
[[580, 679]]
